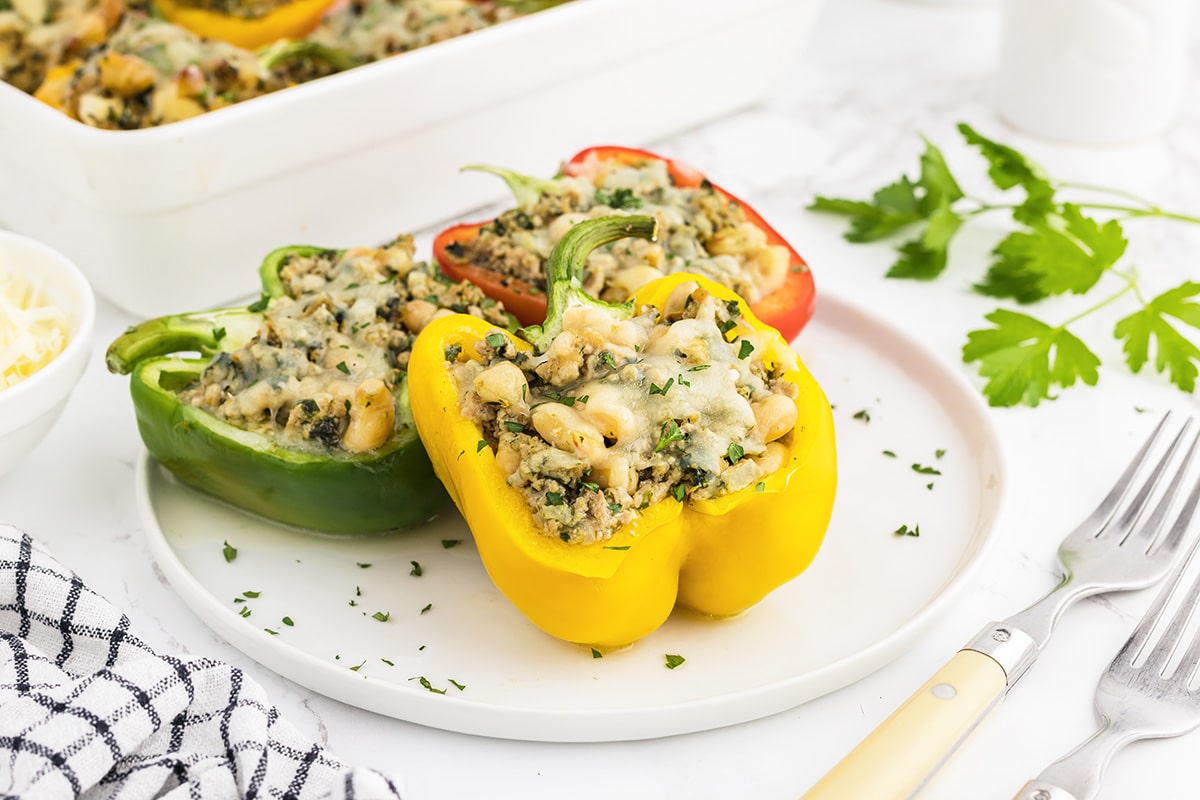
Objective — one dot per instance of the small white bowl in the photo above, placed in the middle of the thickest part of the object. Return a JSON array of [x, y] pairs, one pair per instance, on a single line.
[[29, 409]]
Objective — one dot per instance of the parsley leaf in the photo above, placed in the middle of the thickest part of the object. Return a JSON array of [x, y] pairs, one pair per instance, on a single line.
[[1066, 253], [229, 551], [892, 208], [674, 660], [1173, 353], [1008, 168], [1023, 358]]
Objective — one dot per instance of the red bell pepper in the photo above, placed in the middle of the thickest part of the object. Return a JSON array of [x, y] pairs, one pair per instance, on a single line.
[[787, 309]]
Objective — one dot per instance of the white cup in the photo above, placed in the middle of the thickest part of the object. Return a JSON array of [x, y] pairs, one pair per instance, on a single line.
[[1093, 71]]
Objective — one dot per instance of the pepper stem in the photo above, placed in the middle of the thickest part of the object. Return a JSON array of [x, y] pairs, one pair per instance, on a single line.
[[284, 50], [564, 271], [525, 189]]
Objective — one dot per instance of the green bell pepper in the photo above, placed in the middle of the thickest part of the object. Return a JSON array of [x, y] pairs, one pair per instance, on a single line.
[[317, 485]]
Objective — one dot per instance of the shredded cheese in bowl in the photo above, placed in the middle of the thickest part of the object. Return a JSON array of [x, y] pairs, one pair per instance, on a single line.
[[33, 331]]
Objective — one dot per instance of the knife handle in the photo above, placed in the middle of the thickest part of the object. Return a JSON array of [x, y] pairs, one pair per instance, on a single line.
[[900, 756]]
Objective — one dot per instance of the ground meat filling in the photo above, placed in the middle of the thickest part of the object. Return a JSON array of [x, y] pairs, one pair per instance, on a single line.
[[701, 233], [370, 30], [38, 35], [618, 415], [150, 73], [321, 373]]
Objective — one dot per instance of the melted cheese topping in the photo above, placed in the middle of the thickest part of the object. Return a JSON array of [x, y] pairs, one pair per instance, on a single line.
[[617, 415], [33, 331], [701, 233]]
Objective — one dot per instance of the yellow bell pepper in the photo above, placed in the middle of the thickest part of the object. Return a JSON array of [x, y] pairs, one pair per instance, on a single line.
[[293, 20], [716, 556]]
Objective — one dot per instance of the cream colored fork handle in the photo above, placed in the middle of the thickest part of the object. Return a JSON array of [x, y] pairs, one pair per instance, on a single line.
[[899, 756]]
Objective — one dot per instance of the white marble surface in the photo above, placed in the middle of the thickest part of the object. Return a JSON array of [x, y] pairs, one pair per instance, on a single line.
[[876, 73]]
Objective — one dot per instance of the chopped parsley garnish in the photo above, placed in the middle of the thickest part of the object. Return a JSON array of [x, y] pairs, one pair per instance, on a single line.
[[428, 606], [864, 415], [456, 684], [382, 616], [679, 492], [614, 508], [259, 305], [218, 334], [699, 367], [674, 660], [904, 530], [735, 452], [670, 433], [746, 349], [229, 551], [245, 612], [357, 667], [342, 366], [448, 543], [733, 307], [358, 591], [273, 633], [389, 663], [618, 198], [452, 352], [515, 427], [607, 358], [921, 470], [427, 685], [760, 486], [361, 565], [656, 389], [591, 487], [596, 653], [416, 569], [889, 454], [495, 341], [479, 447], [252, 595], [554, 498], [939, 453], [727, 325], [617, 546], [288, 621]]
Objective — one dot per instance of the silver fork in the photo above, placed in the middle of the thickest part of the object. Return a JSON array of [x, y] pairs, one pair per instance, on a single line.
[[1150, 698], [1119, 546]]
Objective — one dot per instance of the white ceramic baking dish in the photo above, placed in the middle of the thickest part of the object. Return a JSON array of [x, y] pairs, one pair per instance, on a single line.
[[179, 217]]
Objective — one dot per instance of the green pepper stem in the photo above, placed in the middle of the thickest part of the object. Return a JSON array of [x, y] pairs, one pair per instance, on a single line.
[[564, 271], [283, 50], [525, 189], [175, 334]]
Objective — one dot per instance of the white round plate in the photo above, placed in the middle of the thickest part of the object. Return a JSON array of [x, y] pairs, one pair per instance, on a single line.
[[452, 653]]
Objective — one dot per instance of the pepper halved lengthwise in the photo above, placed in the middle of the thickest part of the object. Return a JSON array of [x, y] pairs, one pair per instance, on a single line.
[[717, 555], [787, 308], [388, 487]]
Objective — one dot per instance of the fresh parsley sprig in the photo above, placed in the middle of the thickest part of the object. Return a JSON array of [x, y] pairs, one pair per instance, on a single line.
[[1056, 248]]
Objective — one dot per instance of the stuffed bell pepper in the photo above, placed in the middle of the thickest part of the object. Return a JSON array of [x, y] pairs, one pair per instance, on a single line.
[[622, 459], [297, 406], [704, 230]]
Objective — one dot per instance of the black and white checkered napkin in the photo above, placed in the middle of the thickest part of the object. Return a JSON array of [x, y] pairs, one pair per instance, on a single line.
[[88, 709]]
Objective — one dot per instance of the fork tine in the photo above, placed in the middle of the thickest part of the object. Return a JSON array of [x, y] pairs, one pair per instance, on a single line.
[[1133, 512], [1180, 583], [1108, 506], [1172, 637], [1149, 532]]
